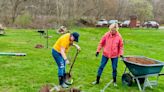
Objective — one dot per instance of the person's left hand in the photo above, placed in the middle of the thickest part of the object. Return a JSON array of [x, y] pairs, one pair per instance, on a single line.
[[121, 56], [67, 61]]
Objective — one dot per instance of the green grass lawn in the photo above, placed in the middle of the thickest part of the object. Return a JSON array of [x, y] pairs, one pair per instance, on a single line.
[[29, 73]]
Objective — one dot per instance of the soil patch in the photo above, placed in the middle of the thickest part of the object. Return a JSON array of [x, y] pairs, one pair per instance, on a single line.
[[140, 60], [39, 46]]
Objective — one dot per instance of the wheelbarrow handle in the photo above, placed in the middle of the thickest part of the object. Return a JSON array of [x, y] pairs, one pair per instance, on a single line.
[[122, 57], [161, 74]]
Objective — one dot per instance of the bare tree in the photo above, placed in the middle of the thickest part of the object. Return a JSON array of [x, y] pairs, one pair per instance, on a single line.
[[61, 12], [16, 8]]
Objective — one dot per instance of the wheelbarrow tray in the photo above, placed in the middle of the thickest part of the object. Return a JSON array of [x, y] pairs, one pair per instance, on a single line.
[[138, 69]]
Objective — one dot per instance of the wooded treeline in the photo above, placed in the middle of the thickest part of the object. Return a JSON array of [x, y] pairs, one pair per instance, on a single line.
[[53, 13]]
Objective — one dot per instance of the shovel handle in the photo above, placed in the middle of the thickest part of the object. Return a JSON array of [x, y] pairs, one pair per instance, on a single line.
[[74, 61]]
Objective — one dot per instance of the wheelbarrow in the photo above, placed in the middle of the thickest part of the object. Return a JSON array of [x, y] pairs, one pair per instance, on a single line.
[[140, 68]]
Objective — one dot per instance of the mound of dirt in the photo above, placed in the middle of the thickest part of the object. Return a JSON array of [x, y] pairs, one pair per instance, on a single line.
[[45, 88], [140, 60], [74, 90], [39, 46]]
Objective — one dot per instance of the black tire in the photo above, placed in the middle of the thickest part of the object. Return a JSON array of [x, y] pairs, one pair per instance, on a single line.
[[127, 79]]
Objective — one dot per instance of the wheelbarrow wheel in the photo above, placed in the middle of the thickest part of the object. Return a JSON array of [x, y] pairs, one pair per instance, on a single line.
[[127, 79]]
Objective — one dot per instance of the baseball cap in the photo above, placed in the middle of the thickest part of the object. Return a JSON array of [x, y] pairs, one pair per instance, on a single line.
[[76, 36]]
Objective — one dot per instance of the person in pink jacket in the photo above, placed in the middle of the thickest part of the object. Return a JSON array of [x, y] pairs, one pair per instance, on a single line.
[[112, 44]]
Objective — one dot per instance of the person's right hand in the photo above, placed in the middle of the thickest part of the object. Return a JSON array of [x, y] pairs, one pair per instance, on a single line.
[[67, 61], [97, 54], [78, 48]]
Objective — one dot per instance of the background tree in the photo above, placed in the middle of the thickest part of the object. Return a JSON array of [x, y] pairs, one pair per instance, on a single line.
[[53, 13]]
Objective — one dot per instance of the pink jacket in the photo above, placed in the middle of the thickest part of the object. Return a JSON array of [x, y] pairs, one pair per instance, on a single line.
[[112, 45]]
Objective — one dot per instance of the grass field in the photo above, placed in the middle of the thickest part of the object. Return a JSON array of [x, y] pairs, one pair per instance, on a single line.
[[29, 73]]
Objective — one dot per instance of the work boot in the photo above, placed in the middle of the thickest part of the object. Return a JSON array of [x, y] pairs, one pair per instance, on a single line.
[[115, 84], [114, 81], [64, 85], [61, 82], [68, 82], [97, 80]]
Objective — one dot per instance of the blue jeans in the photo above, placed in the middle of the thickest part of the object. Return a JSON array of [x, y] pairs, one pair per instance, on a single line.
[[104, 61], [60, 62]]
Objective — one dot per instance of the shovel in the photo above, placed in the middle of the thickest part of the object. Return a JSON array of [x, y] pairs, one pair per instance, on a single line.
[[68, 75]]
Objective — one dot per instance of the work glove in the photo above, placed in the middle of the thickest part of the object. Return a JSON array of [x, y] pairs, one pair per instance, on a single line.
[[67, 61], [78, 48], [122, 57], [97, 54]]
